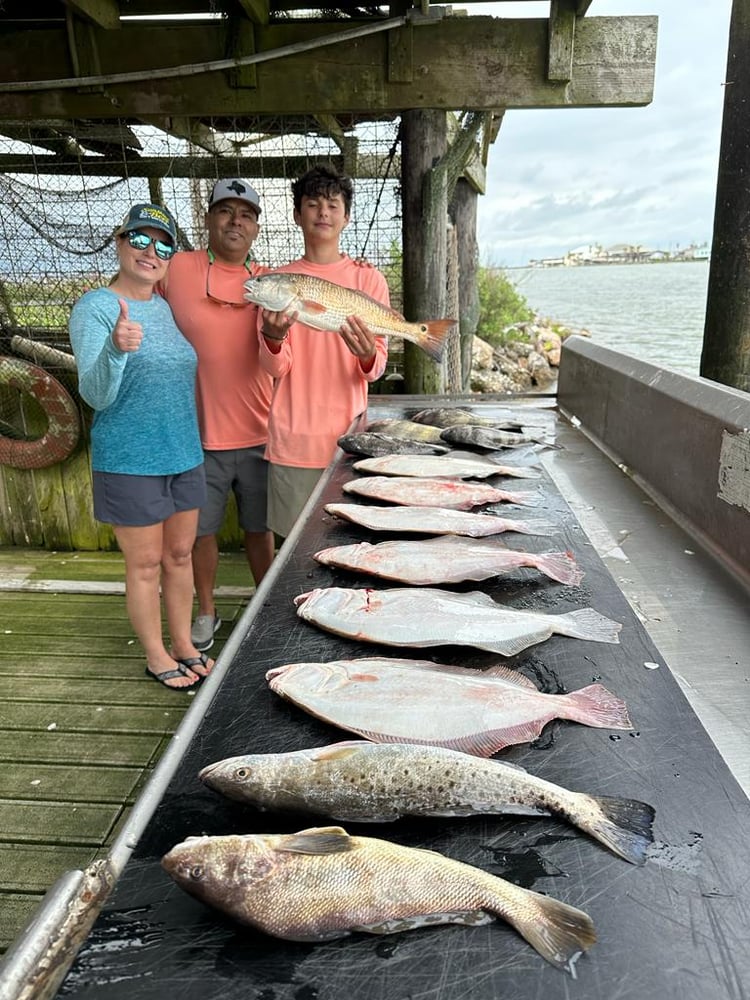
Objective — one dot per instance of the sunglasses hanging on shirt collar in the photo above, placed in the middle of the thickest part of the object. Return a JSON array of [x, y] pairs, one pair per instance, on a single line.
[[235, 304]]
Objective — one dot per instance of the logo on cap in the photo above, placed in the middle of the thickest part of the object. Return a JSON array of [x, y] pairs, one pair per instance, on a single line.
[[237, 187]]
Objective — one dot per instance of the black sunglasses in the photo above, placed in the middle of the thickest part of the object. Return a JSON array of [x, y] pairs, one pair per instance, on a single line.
[[141, 241]]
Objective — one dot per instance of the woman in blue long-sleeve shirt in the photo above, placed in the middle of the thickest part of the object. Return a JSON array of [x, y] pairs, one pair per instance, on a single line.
[[137, 372]]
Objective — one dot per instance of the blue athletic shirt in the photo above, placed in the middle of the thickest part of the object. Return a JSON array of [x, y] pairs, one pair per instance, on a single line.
[[145, 421]]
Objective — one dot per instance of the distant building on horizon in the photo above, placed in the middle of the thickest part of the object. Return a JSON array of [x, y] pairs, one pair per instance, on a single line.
[[622, 253]]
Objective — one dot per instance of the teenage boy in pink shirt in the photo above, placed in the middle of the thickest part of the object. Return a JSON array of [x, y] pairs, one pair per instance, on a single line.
[[320, 378]]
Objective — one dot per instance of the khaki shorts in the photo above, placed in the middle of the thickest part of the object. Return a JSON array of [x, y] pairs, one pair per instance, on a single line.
[[288, 491]]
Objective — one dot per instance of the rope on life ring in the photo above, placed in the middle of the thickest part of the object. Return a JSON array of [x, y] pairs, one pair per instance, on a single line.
[[63, 422]]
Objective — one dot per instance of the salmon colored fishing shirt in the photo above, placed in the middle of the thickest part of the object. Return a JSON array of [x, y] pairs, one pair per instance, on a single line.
[[233, 391], [319, 384]]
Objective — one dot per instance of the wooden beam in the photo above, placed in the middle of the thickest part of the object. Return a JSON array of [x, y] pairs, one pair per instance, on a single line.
[[562, 27], [103, 13], [196, 133], [474, 62], [367, 165], [255, 10]]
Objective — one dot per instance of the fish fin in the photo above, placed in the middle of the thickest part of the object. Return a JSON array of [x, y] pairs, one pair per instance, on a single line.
[[471, 917], [595, 706], [623, 825], [311, 306], [523, 499], [488, 743], [434, 333], [338, 751], [586, 624], [559, 932], [510, 675], [317, 840], [559, 566]]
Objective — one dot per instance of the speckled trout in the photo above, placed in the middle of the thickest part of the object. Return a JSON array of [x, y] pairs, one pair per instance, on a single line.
[[389, 700], [429, 616], [326, 306], [321, 884], [361, 782]]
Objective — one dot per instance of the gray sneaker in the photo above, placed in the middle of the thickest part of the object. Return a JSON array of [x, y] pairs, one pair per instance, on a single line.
[[202, 632]]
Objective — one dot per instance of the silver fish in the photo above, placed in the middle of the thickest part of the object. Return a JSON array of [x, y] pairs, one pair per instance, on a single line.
[[434, 520], [479, 712], [321, 884], [373, 444], [427, 616], [362, 782], [448, 493], [440, 467], [447, 559], [324, 305]]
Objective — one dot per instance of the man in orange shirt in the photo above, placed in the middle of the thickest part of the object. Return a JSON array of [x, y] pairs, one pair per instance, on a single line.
[[320, 378], [205, 292]]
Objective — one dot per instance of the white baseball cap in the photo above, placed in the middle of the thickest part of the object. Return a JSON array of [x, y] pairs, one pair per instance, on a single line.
[[234, 187]]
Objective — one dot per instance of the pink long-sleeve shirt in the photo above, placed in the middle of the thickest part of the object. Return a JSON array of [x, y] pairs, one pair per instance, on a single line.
[[319, 385]]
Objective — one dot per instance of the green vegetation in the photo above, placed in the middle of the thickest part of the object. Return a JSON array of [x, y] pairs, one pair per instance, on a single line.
[[501, 306], [43, 303]]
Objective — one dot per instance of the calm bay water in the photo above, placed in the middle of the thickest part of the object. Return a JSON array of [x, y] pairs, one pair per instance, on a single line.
[[654, 312]]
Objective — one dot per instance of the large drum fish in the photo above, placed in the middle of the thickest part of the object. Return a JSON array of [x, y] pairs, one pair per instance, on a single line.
[[324, 305], [321, 884]]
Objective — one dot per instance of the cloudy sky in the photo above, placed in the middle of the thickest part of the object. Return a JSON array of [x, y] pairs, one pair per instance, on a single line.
[[564, 178]]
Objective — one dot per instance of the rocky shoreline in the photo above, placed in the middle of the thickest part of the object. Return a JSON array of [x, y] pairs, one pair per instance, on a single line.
[[526, 361]]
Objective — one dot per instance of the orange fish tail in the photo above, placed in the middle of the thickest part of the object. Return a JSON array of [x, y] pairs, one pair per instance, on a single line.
[[432, 340]]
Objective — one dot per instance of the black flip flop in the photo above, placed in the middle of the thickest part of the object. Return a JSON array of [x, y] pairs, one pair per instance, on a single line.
[[201, 660], [182, 670]]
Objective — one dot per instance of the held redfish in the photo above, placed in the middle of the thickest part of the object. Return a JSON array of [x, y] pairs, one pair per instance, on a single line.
[[360, 782], [390, 700], [325, 306], [321, 884]]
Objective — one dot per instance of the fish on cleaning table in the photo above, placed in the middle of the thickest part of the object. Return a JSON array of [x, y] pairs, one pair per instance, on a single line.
[[390, 700], [440, 467], [455, 494], [449, 416], [361, 782], [407, 430], [435, 520], [321, 884], [494, 439], [447, 559], [428, 616], [324, 305], [372, 444]]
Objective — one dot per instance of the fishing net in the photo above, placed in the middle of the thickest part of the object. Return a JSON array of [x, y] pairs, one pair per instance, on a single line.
[[57, 222]]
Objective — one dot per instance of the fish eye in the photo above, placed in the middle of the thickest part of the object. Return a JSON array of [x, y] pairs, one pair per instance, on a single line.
[[196, 872], [242, 772]]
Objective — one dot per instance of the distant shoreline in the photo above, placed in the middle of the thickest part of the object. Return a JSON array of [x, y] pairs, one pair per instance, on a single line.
[[604, 263]]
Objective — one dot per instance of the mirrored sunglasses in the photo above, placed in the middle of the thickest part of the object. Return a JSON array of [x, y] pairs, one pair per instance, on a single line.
[[141, 241]]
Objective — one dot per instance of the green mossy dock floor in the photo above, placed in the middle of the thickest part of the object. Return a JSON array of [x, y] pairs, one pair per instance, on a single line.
[[81, 726]]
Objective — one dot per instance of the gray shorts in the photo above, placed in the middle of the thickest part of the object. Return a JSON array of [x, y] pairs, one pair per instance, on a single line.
[[288, 491], [244, 471], [136, 501]]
